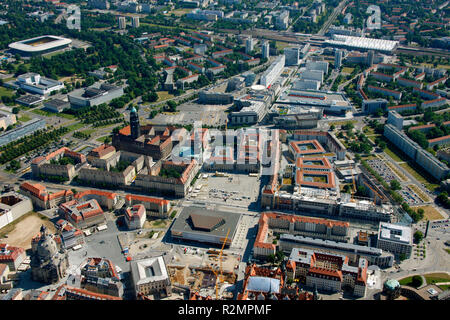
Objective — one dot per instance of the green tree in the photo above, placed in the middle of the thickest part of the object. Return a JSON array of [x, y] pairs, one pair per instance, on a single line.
[[395, 185], [418, 236], [416, 281]]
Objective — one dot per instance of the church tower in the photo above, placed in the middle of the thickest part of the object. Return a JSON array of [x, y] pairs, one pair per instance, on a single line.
[[134, 123]]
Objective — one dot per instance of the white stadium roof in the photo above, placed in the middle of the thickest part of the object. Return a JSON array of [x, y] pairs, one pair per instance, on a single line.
[[363, 43], [24, 46]]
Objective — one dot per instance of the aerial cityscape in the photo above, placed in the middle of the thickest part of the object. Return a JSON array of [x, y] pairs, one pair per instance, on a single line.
[[224, 150]]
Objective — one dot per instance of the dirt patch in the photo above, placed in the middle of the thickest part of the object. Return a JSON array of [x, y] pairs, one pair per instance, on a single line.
[[23, 231]]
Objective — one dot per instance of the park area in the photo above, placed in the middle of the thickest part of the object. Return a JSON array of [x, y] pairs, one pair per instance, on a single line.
[[20, 232], [442, 280], [430, 213]]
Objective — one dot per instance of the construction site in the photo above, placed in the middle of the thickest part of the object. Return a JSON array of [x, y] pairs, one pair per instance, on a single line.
[[208, 272]]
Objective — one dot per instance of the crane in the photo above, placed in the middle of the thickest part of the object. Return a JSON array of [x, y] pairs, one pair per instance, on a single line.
[[219, 276]]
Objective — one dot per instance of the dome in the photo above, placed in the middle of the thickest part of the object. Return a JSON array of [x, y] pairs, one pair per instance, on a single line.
[[392, 284], [46, 247], [133, 110]]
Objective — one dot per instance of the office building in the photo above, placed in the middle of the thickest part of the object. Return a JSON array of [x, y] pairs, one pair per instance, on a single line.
[[370, 57], [282, 20], [122, 23], [292, 56], [395, 238], [34, 83], [395, 119], [372, 106], [135, 22], [149, 277], [354, 252], [94, 95], [338, 58], [273, 72], [249, 44], [413, 150], [56, 105], [317, 65], [265, 49]]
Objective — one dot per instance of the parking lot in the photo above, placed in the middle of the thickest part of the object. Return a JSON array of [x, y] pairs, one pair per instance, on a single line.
[[233, 189], [188, 113], [388, 175]]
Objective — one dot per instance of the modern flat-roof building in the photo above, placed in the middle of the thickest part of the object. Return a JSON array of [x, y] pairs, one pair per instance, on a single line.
[[94, 95], [150, 277], [13, 205], [39, 45], [395, 119], [413, 150], [34, 83], [29, 100], [395, 238], [21, 131], [273, 72], [56, 105], [354, 252], [292, 56], [198, 224]]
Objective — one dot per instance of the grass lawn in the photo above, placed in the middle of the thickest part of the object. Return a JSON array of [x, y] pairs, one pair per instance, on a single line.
[[348, 70], [180, 12], [88, 131], [447, 250], [413, 172], [430, 213], [76, 126], [6, 92], [406, 281], [340, 123], [164, 95], [53, 114], [392, 154], [102, 139], [433, 278], [281, 45], [24, 118], [419, 192]]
